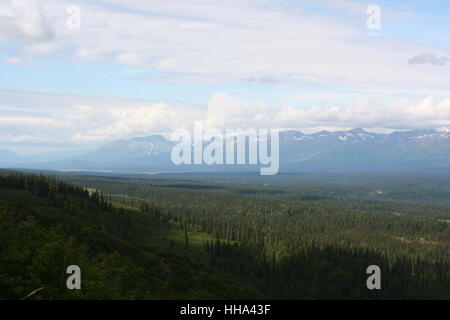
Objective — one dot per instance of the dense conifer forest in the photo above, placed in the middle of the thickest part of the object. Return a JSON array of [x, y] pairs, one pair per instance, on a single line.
[[220, 237], [47, 225]]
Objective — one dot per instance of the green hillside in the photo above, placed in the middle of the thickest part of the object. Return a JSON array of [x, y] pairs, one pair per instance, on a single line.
[[156, 237], [46, 225]]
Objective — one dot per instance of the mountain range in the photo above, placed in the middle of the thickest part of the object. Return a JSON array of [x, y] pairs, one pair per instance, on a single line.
[[324, 151]]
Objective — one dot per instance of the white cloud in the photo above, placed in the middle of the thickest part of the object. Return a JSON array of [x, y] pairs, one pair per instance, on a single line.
[[17, 61], [24, 138], [134, 59], [430, 59], [43, 48], [225, 111], [201, 40], [398, 114], [12, 61], [358, 7], [94, 121], [23, 20], [90, 54], [33, 121], [404, 113], [158, 117]]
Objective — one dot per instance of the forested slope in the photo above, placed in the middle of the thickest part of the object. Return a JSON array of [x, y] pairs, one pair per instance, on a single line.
[[294, 245], [47, 225], [166, 239]]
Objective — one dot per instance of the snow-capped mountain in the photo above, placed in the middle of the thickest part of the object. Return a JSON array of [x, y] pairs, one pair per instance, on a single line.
[[353, 150], [136, 147], [358, 150], [361, 136]]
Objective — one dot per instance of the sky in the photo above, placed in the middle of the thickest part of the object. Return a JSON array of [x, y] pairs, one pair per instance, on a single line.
[[75, 75]]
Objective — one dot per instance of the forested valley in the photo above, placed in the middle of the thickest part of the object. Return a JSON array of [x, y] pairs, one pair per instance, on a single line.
[[167, 237]]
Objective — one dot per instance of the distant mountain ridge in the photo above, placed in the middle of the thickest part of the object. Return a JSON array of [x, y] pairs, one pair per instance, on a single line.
[[325, 151], [6, 155], [358, 150]]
